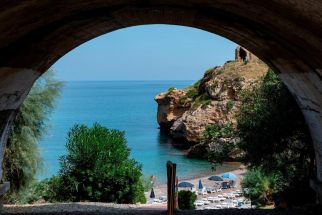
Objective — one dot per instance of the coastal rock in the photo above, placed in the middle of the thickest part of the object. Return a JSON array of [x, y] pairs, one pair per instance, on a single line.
[[194, 121], [184, 114], [170, 108]]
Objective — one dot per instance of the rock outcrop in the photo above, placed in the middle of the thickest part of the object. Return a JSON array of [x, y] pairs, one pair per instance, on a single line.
[[184, 114], [169, 108]]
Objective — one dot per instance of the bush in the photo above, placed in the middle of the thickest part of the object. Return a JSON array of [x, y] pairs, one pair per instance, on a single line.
[[45, 190], [229, 105], [192, 92], [22, 158], [220, 139], [186, 200], [97, 167], [260, 187], [274, 135], [272, 128], [202, 101], [171, 89]]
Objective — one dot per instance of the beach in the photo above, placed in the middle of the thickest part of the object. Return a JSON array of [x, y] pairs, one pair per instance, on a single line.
[[161, 189]]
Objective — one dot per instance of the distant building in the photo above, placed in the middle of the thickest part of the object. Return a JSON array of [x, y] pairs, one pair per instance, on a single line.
[[242, 54]]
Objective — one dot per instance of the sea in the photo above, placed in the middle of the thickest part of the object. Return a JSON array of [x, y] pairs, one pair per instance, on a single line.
[[128, 106]]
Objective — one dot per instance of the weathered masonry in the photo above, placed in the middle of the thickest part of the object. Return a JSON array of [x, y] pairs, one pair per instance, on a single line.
[[286, 34]]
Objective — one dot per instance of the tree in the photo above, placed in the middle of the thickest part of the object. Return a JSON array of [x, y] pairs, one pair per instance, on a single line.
[[220, 141], [273, 133], [97, 167], [22, 158], [260, 187]]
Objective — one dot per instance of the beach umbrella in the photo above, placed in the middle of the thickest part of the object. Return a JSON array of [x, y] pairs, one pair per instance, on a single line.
[[229, 175], [185, 184], [215, 178], [200, 185], [152, 195]]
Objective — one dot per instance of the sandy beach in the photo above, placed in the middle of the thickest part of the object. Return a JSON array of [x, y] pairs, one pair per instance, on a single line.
[[161, 189]]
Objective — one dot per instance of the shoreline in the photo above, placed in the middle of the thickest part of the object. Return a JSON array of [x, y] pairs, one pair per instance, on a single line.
[[213, 172], [161, 189], [225, 167]]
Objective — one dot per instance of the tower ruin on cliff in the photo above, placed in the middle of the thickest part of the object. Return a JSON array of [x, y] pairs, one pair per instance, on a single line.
[[242, 54]]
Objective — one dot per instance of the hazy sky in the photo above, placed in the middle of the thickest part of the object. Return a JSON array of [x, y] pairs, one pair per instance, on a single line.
[[149, 52]]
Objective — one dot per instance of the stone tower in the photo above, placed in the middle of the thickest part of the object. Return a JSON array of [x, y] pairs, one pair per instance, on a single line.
[[242, 54]]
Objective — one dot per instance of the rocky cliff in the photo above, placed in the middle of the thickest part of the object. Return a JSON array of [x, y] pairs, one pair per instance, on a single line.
[[185, 113]]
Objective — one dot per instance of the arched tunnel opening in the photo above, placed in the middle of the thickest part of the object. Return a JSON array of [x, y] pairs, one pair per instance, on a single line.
[[41, 42]]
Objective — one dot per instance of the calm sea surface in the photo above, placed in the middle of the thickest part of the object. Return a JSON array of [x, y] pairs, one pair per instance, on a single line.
[[123, 105]]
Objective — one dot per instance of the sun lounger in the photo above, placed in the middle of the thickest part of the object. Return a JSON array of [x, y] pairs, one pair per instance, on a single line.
[[157, 201], [231, 195], [206, 202], [199, 203], [163, 198], [202, 192]]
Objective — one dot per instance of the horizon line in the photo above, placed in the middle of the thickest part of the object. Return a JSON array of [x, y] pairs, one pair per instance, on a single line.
[[125, 80]]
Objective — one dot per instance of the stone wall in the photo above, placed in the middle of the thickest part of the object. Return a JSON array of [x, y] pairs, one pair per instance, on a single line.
[[242, 54]]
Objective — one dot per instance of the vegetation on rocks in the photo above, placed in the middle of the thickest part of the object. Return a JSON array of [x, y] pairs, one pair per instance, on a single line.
[[22, 159], [275, 138], [252, 113], [171, 89], [213, 100], [221, 141]]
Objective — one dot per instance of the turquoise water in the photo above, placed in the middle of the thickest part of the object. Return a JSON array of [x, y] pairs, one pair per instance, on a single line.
[[124, 105]]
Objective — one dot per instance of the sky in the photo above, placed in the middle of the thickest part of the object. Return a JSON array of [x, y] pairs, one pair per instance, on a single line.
[[148, 52]]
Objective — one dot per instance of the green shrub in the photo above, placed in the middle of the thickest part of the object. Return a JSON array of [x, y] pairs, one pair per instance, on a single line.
[[45, 190], [97, 167], [229, 105], [221, 72], [273, 134], [186, 200], [216, 136], [260, 187], [208, 72], [202, 101], [215, 131], [192, 92], [171, 89]]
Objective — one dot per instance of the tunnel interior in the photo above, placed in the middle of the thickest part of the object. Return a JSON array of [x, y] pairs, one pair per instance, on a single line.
[[35, 34]]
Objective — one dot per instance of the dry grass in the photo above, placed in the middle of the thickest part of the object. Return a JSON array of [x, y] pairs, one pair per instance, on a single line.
[[251, 70]]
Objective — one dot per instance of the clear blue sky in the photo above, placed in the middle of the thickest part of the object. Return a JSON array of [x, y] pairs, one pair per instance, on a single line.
[[149, 52]]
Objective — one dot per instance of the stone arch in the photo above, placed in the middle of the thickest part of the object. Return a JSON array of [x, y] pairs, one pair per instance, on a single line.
[[287, 35]]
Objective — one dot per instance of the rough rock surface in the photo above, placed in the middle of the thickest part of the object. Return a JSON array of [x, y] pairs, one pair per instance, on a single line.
[[169, 108], [186, 113]]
